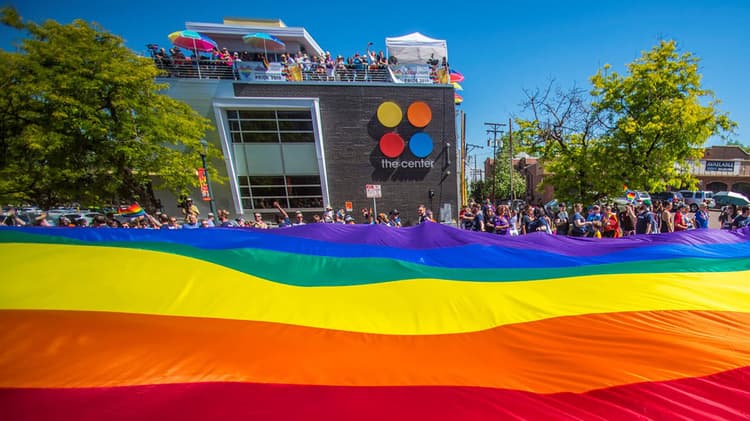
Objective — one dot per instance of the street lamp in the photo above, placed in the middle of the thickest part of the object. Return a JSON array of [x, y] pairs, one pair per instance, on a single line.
[[204, 152]]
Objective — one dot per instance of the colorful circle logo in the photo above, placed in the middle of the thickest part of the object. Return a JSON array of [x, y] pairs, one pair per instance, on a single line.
[[392, 145], [389, 114], [419, 115]]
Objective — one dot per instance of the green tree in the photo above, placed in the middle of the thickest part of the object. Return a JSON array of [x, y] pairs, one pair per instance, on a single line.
[[659, 118], [82, 120], [500, 176], [566, 135], [639, 129], [482, 189]]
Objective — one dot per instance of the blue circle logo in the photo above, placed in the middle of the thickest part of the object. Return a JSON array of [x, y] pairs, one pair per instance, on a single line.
[[420, 144]]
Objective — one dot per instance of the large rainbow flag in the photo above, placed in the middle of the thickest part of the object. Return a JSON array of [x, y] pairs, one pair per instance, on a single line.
[[351, 322]]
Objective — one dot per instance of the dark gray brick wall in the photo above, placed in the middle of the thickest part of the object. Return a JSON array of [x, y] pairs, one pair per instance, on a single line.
[[351, 132]]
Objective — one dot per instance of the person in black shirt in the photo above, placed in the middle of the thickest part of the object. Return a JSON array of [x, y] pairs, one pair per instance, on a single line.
[[561, 220]]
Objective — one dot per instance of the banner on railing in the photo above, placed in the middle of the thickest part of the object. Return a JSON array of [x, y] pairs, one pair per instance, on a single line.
[[295, 72], [256, 71], [411, 73]]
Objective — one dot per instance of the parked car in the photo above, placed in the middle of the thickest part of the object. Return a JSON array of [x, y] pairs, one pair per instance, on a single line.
[[693, 198], [642, 197], [669, 196], [724, 198], [74, 217]]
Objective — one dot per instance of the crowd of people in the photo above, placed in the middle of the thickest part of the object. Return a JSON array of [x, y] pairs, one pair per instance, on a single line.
[[191, 219], [597, 220], [294, 66], [321, 67]]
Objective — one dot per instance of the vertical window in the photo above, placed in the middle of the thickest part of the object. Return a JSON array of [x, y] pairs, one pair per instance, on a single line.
[[275, 159]]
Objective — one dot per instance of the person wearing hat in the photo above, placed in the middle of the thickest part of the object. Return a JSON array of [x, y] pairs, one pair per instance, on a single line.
[[349, 219], [328, 214], [188, 207], [299, 219], [394, 218]]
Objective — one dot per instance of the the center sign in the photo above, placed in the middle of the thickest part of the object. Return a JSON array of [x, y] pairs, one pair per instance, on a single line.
[[393, 145], [373, 191]]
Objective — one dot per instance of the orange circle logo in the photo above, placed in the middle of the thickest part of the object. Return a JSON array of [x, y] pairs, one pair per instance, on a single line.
[[419, 114]]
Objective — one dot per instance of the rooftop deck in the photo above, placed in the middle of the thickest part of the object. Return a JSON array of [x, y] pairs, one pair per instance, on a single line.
[[276, 72]]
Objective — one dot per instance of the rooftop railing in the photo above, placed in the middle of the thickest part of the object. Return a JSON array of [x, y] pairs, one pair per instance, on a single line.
[[276, 72]]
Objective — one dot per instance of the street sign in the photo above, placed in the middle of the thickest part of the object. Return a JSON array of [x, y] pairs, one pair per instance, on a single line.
[[373, 191]]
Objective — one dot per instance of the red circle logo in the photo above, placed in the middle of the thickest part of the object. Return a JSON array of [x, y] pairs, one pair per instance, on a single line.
[[391, 144]]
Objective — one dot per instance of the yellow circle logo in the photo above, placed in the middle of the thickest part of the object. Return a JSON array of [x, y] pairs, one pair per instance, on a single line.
[[389, 114]]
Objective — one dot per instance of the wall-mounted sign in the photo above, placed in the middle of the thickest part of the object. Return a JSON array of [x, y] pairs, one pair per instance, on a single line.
[[373, 191], [720, 166], [392, 145]]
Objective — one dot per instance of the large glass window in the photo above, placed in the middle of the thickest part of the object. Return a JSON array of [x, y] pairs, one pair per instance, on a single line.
[[275, 159]]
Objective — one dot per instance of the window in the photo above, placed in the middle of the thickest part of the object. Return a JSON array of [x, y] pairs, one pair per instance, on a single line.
[[275, 159], [267, 126]]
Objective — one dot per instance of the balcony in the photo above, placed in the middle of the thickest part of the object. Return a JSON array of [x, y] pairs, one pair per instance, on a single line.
[[276, 72]]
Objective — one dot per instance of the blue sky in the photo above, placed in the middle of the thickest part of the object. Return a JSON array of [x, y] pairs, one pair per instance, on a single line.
[[502, 48]]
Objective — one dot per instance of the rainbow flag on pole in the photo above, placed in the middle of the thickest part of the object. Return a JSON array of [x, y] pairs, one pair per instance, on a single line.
[[334, 322], [133, 210], [629, 194]]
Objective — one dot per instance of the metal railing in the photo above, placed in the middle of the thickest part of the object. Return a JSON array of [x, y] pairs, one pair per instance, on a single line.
[[217, 69]]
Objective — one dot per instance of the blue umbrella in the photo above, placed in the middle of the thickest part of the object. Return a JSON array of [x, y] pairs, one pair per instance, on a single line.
[[267, 41]]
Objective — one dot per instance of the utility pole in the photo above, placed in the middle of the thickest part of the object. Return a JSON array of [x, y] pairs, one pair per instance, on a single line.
[[468, 147], [510, 157], [463, 157], [495, 129]]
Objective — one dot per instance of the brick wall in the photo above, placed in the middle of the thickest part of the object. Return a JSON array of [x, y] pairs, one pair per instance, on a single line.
[[351, 132]]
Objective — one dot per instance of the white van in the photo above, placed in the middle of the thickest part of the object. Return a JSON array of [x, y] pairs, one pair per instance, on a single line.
[[695, 198]]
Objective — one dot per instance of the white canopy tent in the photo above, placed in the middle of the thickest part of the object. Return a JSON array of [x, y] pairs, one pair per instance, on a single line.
[[416, 49]]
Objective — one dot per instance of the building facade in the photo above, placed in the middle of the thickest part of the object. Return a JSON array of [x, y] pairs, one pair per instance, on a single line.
[[724, 168], [311, 144]]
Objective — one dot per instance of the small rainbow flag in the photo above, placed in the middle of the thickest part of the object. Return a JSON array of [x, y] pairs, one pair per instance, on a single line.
[[133, 210]]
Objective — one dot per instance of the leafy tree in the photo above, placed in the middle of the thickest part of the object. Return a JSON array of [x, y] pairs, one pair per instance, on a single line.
[[82, 120], [483, 189], [659, 118], [500, 176], [638, 129], [565, 133]]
